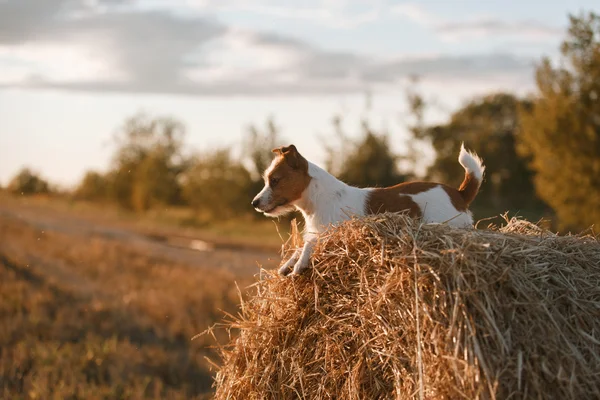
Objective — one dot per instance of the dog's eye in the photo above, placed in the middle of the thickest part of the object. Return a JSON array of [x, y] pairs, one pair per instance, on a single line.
[[274, 181]]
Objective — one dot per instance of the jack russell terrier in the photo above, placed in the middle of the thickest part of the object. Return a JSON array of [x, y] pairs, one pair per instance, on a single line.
[[293, 183]]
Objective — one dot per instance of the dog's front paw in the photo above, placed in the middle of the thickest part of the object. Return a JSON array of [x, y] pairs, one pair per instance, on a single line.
[[285, 270], [299, 267], [287, 267]]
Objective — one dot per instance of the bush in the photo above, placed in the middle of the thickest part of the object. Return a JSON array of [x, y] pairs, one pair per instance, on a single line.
[[27, 182], [148, 163], [217, 185], [93, 186]]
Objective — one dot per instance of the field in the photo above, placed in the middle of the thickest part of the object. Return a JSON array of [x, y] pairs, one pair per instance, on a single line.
[[96, 305]]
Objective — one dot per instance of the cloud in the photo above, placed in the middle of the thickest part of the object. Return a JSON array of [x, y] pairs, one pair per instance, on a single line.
[[452, 67], [21, 21], [321, 73], [340, 18], [483, 26], [415, 13], [339, 14], [143, 47], [476, 27], [109, 45]]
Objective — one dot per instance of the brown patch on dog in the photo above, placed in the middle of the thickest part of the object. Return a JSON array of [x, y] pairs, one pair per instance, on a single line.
[[469, 188], [288, 177], [395, 199], [456, 198], [380, 201]]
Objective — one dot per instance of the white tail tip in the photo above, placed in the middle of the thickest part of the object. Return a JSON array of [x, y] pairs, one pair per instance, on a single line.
[[471, 163]]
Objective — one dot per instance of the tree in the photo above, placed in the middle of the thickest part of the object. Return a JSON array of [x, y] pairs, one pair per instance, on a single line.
[[93, 186], [561, 132], [415, 124], [148, 163], [257, 146], [489, 126], [120, 183], [367, 161], [27, 182], [218, 185], [155, 182]]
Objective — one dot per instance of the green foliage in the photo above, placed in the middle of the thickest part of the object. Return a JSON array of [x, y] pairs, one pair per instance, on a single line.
[[367, 161], [27, 182], [561, 133], [141, 136], [148, 163], [93, 186], [149, 170], [218, 185], [490, 127], [120, 181], [155, 182], [258, 146]]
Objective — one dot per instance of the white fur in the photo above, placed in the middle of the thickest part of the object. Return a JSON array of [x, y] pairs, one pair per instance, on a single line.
[[326, 202], [436, 206], [265, 198], [265, 195], [471, 163], [270, 168]]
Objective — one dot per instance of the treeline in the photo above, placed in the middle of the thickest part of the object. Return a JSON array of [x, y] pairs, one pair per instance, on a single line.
[[542, 152], [151, 168]]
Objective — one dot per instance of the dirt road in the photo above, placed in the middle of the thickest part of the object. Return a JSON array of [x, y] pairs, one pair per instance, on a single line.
[[240, 260]]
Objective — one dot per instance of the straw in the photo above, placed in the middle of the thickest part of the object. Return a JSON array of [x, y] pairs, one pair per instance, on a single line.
[[395, 309]]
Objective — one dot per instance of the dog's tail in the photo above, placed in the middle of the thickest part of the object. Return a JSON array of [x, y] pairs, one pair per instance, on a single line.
[[474, 169]]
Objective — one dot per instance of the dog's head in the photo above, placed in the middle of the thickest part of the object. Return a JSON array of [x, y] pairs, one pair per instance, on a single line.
[[285, 181]]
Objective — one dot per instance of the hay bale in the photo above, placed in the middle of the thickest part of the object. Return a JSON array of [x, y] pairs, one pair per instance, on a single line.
[[396, 310]]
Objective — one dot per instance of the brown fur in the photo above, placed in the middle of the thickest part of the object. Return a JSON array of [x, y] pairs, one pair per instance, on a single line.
[[394, 199], [290, 175], [386, 200], [468, 189]]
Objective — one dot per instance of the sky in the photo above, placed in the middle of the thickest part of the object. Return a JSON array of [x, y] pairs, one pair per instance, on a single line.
[[72, 71]]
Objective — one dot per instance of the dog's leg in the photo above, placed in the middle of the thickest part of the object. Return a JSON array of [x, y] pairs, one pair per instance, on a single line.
[[286, 268], [304, 258]]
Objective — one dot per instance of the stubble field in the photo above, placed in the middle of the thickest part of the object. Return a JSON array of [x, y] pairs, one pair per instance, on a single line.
[[95, 309]]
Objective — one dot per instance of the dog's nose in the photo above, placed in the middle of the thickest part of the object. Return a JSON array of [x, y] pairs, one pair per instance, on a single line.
[[255, 203]]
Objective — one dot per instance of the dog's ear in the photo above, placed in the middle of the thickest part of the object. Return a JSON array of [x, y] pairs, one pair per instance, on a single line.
[[291, 149], [278, 151], [283, 150], [293, 157]]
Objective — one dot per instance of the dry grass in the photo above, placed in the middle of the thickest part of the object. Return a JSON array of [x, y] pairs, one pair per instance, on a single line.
[[394, 310], [87, 317]]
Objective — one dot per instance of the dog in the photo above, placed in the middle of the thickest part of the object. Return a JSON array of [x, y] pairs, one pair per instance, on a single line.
[[293, 183]]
